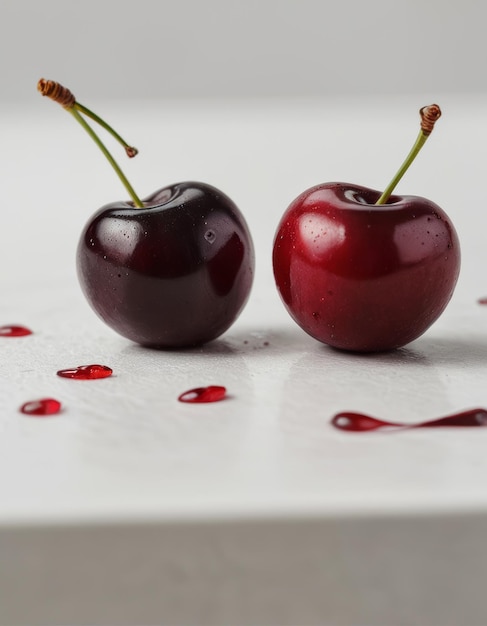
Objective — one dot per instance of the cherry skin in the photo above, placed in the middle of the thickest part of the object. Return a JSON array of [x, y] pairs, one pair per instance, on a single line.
[[360, 276], [175, 273]]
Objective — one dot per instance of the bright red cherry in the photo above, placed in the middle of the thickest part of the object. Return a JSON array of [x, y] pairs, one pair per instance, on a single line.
[[364, 272], [171, 271]]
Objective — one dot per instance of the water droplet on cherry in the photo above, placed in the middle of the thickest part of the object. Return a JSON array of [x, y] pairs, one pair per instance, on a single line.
[[14, 331], [42, 407], [86, 372], [210, 236], [212, 393]]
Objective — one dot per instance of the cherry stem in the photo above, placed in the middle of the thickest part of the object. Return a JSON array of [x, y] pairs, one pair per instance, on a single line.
[[429, 115], [66, 99], [130, 150], [79, 118]]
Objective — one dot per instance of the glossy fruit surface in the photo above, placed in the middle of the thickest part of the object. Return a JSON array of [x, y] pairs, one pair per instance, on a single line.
[[175, 273], [360, 276]]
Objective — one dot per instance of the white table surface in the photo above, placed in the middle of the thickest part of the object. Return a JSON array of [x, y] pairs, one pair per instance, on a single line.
[[132, 508]]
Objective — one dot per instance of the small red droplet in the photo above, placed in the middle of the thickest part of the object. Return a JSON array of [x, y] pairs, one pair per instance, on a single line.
[[42, 407], [14, 331], [482, 300], [86, 372], [212, 393]]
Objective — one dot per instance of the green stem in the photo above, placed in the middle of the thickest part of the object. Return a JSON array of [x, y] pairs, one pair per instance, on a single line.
[[422, 137], [79, 118], [130, 150]]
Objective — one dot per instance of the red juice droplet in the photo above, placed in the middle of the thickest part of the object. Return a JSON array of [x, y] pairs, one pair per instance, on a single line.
[[42, 407], [358, 422], [212, 393], [86, 372], [14, 331], [482, 300]]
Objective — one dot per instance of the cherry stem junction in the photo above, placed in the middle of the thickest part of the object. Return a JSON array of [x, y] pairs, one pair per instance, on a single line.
[[429, 115], [63, 96]]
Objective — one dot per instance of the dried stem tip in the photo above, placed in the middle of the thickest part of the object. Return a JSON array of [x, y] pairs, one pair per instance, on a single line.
[[429, 115], [56, 92]]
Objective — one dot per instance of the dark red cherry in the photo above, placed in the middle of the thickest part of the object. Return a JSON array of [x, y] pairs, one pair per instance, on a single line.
[[172, 274], [172, 271]]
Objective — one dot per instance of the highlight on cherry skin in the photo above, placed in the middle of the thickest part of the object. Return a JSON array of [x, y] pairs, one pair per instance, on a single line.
[[363, 271], [171, 271]]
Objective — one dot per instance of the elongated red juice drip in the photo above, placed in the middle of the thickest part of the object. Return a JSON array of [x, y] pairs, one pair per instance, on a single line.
[[14, 331], [212, 393], [86, 372], [41, 408], [358, 422], [482, 300]]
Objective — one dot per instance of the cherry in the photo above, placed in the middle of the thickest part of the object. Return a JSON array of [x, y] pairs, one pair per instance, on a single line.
[[173, 270], [362, 271], [172, 274]]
